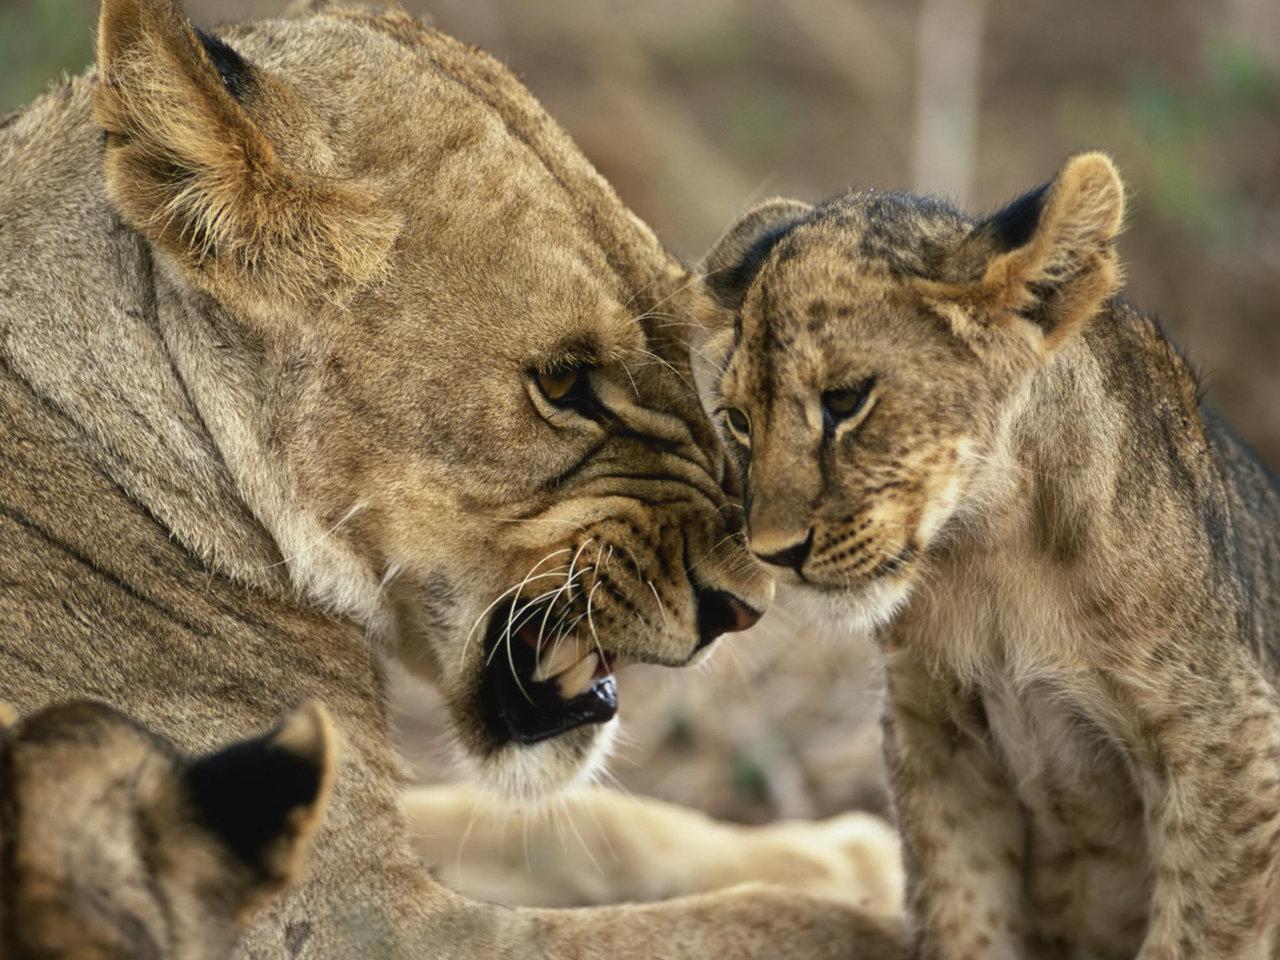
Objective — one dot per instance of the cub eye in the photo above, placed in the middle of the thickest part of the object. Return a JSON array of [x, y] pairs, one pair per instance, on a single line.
[[558, 385], [848, 401], [738, 423]]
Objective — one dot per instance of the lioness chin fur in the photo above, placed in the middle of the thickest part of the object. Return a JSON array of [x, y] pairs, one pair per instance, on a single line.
[[318, 339], [951, 432]]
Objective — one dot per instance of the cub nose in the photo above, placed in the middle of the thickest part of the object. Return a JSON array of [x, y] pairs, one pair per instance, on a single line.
[[792, 557], [721, 612]]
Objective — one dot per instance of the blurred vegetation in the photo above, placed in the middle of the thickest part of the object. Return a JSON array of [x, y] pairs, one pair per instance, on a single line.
[[694, 110], [39, 41]]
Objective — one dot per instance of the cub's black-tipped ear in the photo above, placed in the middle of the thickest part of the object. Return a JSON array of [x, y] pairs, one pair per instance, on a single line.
[[1047, 259], [190, 169], [736, 257], [1015, 224], [262, 799], [234, 70]]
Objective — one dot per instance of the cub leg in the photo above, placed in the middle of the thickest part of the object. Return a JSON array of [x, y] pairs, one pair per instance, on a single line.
[[1209, 754], [963, 832], [599, 846]]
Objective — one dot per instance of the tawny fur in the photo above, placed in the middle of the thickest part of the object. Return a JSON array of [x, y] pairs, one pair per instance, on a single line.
[[1071, 567], [598, 846], [119, 847], [268, 408]]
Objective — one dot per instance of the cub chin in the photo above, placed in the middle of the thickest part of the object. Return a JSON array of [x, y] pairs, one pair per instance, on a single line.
[[951, 431], [117, 846]]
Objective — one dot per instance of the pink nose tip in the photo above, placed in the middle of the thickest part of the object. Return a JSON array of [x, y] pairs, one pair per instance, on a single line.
[[721, 612]]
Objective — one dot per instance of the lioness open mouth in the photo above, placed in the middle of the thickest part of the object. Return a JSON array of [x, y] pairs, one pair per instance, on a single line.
[[536, 687]]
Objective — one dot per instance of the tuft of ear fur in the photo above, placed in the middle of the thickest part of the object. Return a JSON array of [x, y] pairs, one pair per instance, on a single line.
[[736, 257], [189, 168], [1048, 258], [262, 799]]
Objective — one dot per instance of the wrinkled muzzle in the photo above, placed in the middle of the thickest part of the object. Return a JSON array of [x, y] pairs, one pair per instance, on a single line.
[[644, 584]]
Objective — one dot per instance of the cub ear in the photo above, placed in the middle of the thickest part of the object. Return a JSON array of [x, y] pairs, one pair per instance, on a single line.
[[736, 257], [188, 167], [263, 799], [1048, 258], [8, 716]]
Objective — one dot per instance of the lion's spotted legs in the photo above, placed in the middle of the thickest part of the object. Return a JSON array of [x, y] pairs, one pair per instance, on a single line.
[[962, 829], [1209, 766]]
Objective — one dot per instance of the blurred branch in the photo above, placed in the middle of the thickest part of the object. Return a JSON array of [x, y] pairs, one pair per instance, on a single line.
[[858, 47], [949, 42]]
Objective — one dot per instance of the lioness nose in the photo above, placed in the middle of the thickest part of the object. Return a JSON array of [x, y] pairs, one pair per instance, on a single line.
[[721, 612]]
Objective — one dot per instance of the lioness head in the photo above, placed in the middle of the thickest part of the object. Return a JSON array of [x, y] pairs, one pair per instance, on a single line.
[[444, 365], [872, 352], [118, 847]]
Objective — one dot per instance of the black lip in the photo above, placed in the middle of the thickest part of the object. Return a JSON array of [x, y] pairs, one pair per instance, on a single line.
[[527, 712]]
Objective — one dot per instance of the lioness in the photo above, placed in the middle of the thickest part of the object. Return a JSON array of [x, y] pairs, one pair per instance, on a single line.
[[119, 847], [317, 339], [952, 432]]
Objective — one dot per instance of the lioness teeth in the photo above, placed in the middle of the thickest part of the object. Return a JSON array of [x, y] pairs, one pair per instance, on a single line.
[[577, 679], [558, 658]]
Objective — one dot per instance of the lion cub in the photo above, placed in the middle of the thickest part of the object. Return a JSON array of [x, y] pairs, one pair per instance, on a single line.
[[952, 433], [117, 847]]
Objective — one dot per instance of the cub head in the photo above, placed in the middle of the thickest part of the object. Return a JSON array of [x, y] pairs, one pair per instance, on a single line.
[[116, 846], [870, 354], [445, 367]]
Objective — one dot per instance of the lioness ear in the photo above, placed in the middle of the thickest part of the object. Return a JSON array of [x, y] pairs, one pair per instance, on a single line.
[[736, 257], [1048, 257], [189, 168], [262, 799]]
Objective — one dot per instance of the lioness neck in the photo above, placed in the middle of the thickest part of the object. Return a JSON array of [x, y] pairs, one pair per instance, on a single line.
[[108, 345]]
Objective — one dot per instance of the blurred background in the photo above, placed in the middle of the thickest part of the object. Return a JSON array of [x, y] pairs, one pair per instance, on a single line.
[[696, 109]]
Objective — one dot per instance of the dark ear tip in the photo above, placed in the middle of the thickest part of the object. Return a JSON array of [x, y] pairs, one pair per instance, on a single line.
[[1015, 224], [263, 797], [236, 74], [1088, 179]]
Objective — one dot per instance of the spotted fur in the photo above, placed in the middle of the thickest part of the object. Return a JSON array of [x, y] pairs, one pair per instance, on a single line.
[[1071, 567]]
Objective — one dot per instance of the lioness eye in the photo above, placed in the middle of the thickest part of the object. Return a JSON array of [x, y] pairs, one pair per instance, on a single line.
[[557, 385], [738, 420], [848, 401]]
